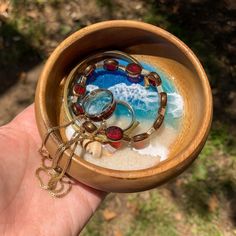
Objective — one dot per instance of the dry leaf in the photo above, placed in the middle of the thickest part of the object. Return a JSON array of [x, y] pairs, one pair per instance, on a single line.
[[109, 215], [132, 207], [178, 216], [145, 195], [179, 182], [117, 233], [4, 9], [213, 203], [4, 6], [32, 14], [23, 77]]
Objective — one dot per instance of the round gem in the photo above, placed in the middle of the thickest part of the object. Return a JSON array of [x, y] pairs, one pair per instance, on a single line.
[[78, 109], [163, 99], [89, 126], [152, 82], [140, 137], [97, 102], [79, 89], [154, 79], [141, 144], [116, 145], [89, 70], [110, 65], [134, 69], [114, 133]]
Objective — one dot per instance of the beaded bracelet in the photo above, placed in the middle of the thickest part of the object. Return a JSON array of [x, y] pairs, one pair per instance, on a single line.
[[108, 61]]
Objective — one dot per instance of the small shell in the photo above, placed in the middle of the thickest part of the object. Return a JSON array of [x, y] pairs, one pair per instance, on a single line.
[[92, 147]]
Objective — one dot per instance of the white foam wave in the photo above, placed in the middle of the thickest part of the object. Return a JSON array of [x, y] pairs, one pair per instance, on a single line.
[[144, 99], [157, 150]]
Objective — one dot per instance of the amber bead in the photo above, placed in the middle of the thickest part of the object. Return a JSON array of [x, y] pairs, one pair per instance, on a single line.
[[140, 137], [89, 126], [158, 122], [154, 79], [89, 70], [163, 99]]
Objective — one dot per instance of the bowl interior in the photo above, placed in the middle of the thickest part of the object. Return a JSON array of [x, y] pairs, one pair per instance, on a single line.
[[154, 45]]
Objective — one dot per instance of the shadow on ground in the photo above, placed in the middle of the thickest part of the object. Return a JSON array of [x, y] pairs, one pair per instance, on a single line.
[[203, 197], [17, 56], [208, 27]]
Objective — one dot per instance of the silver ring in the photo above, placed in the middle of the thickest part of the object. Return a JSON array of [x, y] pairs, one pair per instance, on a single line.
[[108, 109]]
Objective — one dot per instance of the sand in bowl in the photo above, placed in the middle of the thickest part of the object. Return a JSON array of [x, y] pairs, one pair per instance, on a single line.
[[128, 158]]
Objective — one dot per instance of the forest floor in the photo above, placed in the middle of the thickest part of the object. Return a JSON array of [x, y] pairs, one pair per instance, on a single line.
[[201, 201]]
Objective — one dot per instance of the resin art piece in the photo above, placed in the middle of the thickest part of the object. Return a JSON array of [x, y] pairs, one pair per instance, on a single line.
[[141, 94]]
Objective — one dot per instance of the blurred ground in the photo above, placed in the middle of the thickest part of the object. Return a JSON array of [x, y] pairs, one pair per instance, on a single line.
[[202, 201]]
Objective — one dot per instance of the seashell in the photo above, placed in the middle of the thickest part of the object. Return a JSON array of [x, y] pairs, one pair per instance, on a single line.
[[92, 147]]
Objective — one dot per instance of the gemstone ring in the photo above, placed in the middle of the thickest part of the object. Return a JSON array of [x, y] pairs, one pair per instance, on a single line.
[[99, 104]]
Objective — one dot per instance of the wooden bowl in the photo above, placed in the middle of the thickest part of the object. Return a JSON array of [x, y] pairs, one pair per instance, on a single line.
[[142, 41]]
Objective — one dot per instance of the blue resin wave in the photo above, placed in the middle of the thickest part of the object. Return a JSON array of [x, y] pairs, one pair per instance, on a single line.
[[145, 101]]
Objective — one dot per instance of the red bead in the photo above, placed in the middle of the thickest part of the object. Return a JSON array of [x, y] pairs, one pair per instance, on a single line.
[[152, 82], [110, 65], [116, 145], [78, 109], [114, 133], [134, 69], [79, 89]]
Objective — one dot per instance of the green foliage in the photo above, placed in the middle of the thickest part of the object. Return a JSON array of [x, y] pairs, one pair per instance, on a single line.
[[32, 31], [105, 3], [18, 47], [211, 174], [94, 228], [154, 217], [152, 17], [219, 141], [20, 3], [65, 29], [204, 228]]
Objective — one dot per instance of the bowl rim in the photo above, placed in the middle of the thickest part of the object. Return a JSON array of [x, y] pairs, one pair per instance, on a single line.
[[192, 150]]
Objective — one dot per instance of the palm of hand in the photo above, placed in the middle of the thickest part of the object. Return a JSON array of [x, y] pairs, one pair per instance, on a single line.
[[25, 209]]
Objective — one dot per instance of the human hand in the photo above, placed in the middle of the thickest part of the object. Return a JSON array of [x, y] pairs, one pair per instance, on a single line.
[[26, 209]]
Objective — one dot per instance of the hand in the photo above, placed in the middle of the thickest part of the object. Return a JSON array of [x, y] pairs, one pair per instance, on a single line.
[[26, 209]]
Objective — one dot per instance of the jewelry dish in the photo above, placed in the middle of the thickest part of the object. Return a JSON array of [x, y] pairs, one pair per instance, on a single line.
[[149, 75]]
